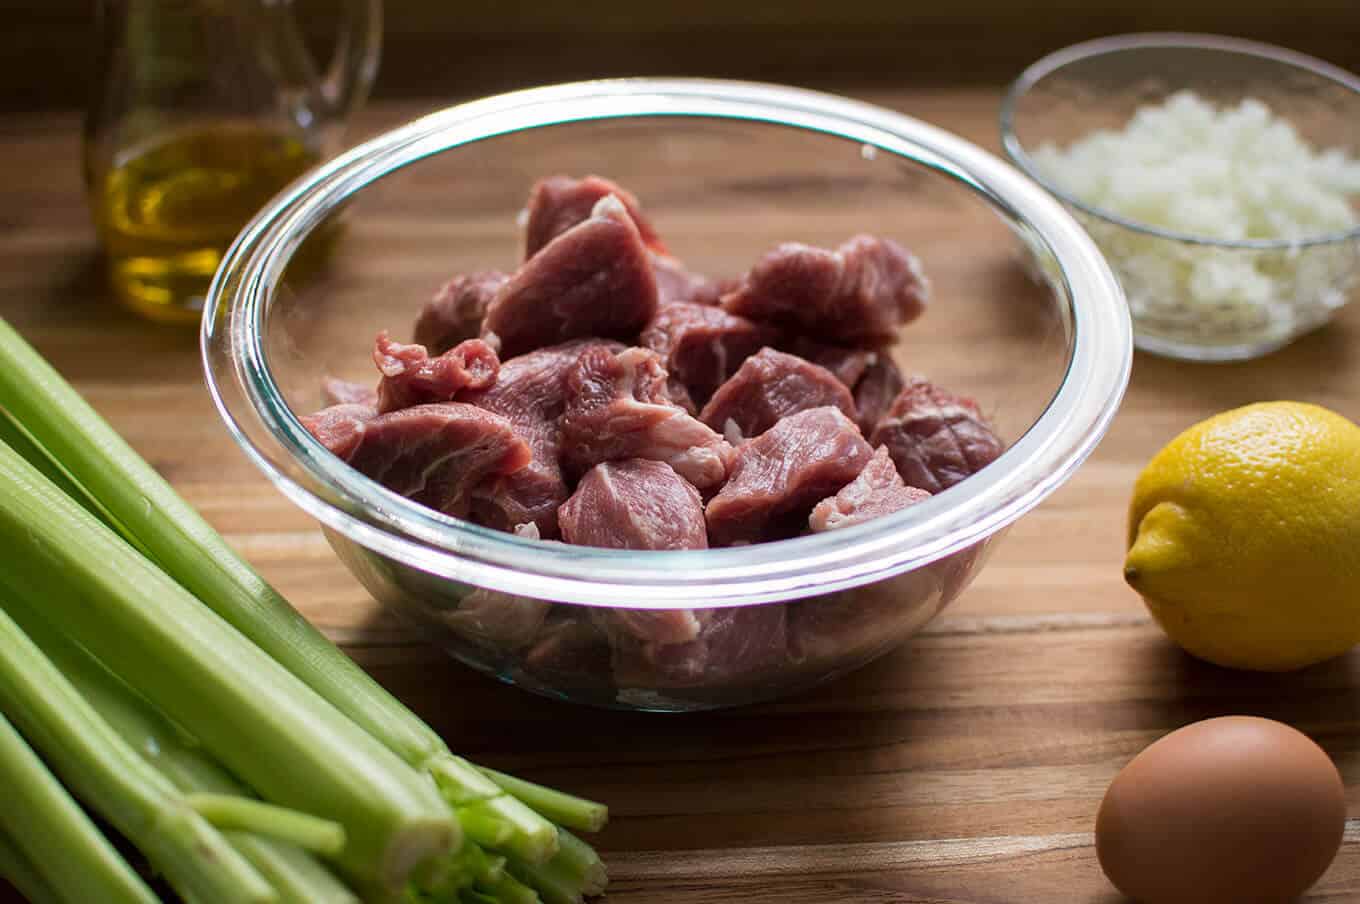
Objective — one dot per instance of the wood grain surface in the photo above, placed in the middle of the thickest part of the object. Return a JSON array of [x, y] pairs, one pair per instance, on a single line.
[[964, 767], [433, 48]]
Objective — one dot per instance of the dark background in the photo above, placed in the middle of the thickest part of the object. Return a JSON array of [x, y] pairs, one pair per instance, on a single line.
[[458, 48]]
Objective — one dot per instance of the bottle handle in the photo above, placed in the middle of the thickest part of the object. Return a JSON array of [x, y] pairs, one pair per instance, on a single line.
[[354, 64]]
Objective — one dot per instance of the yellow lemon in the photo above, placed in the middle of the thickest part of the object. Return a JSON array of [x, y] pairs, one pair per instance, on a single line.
[[1244, 537]]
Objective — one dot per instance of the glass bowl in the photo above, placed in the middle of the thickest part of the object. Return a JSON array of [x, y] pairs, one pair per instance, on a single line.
[[1194, 297], [726, 170]]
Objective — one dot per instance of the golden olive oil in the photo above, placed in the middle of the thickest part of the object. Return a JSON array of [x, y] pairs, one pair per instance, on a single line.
[[166, 212]]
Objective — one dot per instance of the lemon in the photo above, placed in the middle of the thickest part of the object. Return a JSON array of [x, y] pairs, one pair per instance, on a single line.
[[1244, 537]]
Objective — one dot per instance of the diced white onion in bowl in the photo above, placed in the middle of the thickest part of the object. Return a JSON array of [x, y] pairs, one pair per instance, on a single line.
[[1238, 173]]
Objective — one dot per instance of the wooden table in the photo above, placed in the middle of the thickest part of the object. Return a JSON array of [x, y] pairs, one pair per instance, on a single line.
[[965, 767]]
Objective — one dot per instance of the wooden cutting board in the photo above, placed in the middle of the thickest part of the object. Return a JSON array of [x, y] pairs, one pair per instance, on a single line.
[[965, 767]]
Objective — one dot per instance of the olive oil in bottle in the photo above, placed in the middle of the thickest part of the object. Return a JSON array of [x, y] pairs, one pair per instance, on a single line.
[[167, 211]]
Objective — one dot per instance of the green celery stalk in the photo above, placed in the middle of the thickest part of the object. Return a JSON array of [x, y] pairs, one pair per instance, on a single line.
[[250, 713], [24, 876], [109, 776], [509, 890], [476, 896], [562, 808], [233, 811], [551, 881], [142, 506], [297, 877], [53, 835], [576, 858]]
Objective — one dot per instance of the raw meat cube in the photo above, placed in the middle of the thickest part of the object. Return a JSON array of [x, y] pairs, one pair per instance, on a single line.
[[595, 279], [675, 283], [847, 364], [411, 377], [335, 391], [934, 437], [876, 390], [570, 645], [530, 393], [856, 625], [456, 311], [769, 386], [618, 407], [859, 294], [340, 428], [634, 513], [871, 374], [531, 388], [701, 345], [634, 504], [638, 504], [433, 454], [732, 644], [500, 621], [558, 203], [780, 475], [877, 491]]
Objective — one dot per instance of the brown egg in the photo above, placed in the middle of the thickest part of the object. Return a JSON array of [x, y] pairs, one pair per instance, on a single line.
[[1236, 810]]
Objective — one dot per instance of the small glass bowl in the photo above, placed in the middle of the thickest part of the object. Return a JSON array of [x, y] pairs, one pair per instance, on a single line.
[[726, 170], [1287, 287]]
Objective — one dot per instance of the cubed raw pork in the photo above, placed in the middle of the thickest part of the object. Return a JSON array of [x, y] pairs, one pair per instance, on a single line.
[[335, 391], [769, 386], [780, 475], [859, 294], [637, 504], [934, 437], [634, 504], [877, 491], [853, 626], [877, 388], [676, 283], [434, 454], [340, 428], [411, 377], [502, 622], [570, 644], [456, 311], [732, 644], [702, 345], [618, 407], [848, 364], [531, 393], [558, 203], [595, 279]]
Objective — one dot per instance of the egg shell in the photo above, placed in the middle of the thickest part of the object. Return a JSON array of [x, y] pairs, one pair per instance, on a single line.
[[1234, 810]]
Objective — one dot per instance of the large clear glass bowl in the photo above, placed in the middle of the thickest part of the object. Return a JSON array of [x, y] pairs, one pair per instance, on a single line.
[[726, 171], [1192, 296]]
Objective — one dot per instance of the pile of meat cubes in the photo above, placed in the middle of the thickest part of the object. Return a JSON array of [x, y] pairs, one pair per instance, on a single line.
[[604, 395]]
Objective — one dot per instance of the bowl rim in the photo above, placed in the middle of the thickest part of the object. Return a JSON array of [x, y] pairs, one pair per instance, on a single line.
[[255, 413], [1047, 65]]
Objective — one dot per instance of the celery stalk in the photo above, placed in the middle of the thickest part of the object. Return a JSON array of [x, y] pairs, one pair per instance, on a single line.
[[232, 811], [24, 876], [562, 808], [579, 859], [249, 712], [108, 775], [142, 506], [54, 836], [509, 890], [551, 881], [295, 876]]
